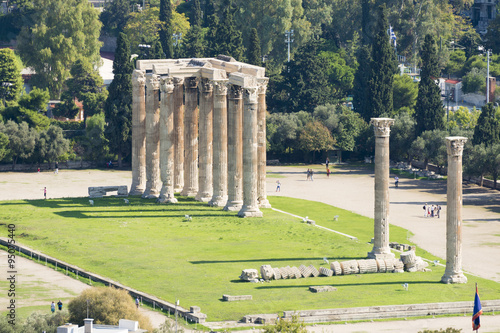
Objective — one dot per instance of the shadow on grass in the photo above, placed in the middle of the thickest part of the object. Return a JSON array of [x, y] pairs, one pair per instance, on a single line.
[[88, 215], [356, 284], [201, 262]]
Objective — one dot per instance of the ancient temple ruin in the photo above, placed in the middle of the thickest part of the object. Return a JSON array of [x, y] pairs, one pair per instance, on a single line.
[[199, 128]]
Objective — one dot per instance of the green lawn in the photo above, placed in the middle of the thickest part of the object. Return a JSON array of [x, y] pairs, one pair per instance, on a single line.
[[149, 247]]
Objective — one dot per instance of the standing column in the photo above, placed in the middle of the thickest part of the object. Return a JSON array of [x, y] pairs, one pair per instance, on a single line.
[[381, 248], [191, 137], [138, 133], [167, 140], [250, 205], [153, 183], [235, 149], [220, 144], [261, 144], [205, 136], [453, 272], [179, 133]]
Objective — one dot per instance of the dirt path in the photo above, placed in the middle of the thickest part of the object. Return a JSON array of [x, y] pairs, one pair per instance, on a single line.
[[347, 188]]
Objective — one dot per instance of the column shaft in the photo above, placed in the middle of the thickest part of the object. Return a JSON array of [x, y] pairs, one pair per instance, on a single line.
[[250, 205], [235, 149], [138, 133], [381, 249], [219, 197], [261, 144], [179, 134], [453, 272], [167, 140], [191, 137], [205, 191], [153, 183]]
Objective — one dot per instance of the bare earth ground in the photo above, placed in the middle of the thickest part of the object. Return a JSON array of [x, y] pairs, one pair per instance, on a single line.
[[348, 188]]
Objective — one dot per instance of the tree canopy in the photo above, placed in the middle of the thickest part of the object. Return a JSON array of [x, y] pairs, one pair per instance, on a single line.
[[11, 83]]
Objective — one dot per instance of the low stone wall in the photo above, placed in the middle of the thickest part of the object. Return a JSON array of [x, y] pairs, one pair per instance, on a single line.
[[194, 314]]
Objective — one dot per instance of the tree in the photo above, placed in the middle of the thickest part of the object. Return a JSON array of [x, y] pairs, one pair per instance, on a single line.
[[30, 109], [340, 75], [118, 107], [315, 137], [35, 322], [361, 78], [4, 146], [471, 41], [456, 63], [474, 80], [285, 326], [107, 306], [166, 29], [254, 56], [492, 37], [476, 162], [194, 46], [405, 93], [87, 86], [22, 140], [11, 82], [382, 70], [402, 136], [487, 130], [52, 144], [430, 146], [94, 142], [429, 111], [63, 32], [463, 118], [156, 51], [114, 16], [228, 39], [196, 15]]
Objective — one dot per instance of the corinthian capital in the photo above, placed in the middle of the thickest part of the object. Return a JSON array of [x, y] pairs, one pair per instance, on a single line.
[[167, 85], [235, 92], [220, 87], [455, 145], [152, 82], [250, 94], [178, 81], [382, 126], [262, 85], [206, 85], [191, 82], [138, 77]]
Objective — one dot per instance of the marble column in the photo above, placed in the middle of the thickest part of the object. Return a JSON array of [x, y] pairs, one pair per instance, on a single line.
[[234, 149], [153, 183], [205, 153], [219, 197], [453, 272], [191, 137], [138, 133], [178, 134], [381, 249], [250, 205], [261, 144], [167, 140]]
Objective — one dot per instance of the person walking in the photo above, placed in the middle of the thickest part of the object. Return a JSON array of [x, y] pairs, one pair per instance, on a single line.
[[45, 192], [327, 163], [59, 305], [278, 186], [396, 181], [425, 210], [432, 211], [312, 173], [308, 174], [137, 302], [328, 172], [53, 307], [438, 210]]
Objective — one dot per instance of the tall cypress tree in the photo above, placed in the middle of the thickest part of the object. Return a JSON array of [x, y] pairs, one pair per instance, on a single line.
[[196, 17], [209, 11], [212, 22], [166, 30], [487, 130], [382, 70], [228, 38], [254, 54], [118, 106], [429, 111], [156, 50], [193, 41], [361, 78]]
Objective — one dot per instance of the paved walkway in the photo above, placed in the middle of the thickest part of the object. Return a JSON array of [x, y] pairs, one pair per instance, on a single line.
[[347, 188]]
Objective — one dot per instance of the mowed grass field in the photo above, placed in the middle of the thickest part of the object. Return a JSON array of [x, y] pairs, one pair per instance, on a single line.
[[150, 247]]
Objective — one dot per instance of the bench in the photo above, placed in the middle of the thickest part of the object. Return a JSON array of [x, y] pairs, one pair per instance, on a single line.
[[101, 191]]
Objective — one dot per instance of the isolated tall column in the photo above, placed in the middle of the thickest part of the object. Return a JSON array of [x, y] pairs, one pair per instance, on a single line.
[[179, 134], [235, 149], [261, 144], [250, 205], [138, 133], [191, 137], [167, 140], [153, 184], [453, 272], [205, 153], [381, 249], [219, 197]]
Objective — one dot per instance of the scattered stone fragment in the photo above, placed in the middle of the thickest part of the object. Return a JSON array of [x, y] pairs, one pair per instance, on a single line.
[[322, 289], [284, 272], [325, 271], [335, 267], [249, 274], [266, 272], [305, 271], [296, 273], [277, 273], [367, 266], [381, 268], [229, 298], [349, 267], [314, 271]]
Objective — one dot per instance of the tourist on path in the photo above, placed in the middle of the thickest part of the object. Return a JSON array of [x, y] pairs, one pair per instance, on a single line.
[[45, 192], [396, 181], [438, 210], [278, 186], [311, 175], [59, 305], [53, 307], [137, 302], [327, 163], [425, 210], [328, 172], [308, 174]]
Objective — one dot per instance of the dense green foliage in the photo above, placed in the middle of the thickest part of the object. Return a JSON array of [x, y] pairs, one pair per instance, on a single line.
[[254, 55], [35, 322], [487, 130], [114, 16], [11, 83], [166, 29]]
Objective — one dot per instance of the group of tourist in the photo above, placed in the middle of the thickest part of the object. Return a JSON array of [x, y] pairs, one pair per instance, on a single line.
[[431, 210], [53, 306], [310, 174]]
